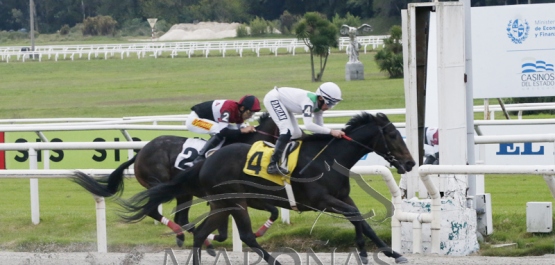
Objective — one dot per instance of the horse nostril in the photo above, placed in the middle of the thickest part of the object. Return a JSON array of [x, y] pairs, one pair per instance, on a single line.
[[410, 165]]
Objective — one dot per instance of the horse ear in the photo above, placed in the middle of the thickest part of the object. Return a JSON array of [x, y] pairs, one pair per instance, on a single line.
[[382, 116]]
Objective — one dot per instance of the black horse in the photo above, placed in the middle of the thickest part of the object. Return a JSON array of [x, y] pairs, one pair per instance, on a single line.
[[154, 164], [319, 188]]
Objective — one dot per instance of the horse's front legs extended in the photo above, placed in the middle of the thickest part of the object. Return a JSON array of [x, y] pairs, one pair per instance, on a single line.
[[369, 232]]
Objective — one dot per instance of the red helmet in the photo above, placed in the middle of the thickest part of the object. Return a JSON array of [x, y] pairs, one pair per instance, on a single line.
[[250, 102]]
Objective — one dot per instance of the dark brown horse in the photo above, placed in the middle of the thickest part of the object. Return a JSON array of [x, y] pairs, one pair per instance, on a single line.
[[320, 188], [154, 164]]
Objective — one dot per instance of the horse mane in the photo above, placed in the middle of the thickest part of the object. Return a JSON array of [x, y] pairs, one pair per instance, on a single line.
[[263, 118], [359, 120], [355, 122]]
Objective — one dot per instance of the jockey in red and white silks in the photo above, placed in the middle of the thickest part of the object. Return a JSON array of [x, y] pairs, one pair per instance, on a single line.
[[221, 119]]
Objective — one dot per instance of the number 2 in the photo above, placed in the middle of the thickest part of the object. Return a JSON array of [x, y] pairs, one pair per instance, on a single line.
[[190, 155]]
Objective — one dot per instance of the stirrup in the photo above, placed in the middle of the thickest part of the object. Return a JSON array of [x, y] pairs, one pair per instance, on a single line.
[[274, 169]]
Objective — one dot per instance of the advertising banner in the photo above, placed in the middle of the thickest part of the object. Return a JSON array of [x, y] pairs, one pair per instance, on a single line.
[[513, 51], [79, 159], [517, 153]]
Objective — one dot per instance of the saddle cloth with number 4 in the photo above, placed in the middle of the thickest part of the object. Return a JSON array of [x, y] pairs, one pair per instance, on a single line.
[[259, 156]]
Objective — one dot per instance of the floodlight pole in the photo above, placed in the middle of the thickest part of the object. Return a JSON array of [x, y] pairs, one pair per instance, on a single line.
[[32, 19]]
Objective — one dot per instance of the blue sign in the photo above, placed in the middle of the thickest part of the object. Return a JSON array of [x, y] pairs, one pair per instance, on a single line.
[[511, 149]]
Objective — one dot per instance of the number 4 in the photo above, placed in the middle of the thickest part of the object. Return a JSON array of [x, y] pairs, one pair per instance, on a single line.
[[256, 167]]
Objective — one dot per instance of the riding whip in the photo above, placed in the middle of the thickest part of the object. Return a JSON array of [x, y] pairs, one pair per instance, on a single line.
[[316, 156]]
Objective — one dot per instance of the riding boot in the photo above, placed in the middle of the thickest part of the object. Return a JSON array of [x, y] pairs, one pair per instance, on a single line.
[[211, 143], [275, 167]]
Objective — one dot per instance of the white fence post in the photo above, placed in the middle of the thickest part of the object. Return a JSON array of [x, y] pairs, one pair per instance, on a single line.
[[34, 187], [237, 243], [101, 236]]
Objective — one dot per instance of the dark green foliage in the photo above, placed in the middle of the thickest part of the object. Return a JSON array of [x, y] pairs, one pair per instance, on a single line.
[[136, 27], [390, 58], [258, 27], [64, 30], [51, 15], [13, 35], [349, 20], [99, 26], [242, 31], [287, 20], [319, 34]]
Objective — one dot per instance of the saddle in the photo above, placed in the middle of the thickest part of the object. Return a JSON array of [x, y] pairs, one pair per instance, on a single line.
[[190, 151], [259, 156]]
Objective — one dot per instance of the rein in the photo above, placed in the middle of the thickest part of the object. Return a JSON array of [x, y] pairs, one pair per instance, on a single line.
[[388, 156], [267, 134]]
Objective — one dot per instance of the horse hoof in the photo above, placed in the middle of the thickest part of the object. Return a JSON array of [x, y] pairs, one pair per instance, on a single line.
[[179, 239], [210, 250], [401, 260], [364, 260]]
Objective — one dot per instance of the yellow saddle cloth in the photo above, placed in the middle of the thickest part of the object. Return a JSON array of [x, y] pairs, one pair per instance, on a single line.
[[258, 160]]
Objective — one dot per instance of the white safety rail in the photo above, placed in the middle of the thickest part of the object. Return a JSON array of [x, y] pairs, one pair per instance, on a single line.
[[520, 108], [548, 173], [155, 49]]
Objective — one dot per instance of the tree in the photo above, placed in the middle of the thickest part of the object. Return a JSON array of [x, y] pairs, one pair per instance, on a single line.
[[319, 34], [390, 58]]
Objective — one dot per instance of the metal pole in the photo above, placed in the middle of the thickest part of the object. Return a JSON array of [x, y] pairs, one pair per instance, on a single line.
[[32, 19]]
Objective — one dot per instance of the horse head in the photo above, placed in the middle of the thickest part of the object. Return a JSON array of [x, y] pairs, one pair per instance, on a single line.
[[384, 139], [395, 148]]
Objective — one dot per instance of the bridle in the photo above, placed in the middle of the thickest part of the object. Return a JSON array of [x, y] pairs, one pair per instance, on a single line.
[[387, 156]]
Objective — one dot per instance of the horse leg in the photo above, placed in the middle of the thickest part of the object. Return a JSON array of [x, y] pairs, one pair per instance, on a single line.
[[182, 218], [243, 221], [222, 233], [274, 213], [383, 247], [211, 223], [351, 212], [173, 226]]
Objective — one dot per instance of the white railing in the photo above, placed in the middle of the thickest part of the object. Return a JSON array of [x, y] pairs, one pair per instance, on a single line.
[[548, 173], [155, 49], [328, 114]]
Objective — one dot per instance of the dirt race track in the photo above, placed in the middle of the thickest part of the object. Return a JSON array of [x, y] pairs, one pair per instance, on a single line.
[[93, 258]]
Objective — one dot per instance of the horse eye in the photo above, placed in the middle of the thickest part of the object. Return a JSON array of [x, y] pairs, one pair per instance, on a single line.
[[392, 135]]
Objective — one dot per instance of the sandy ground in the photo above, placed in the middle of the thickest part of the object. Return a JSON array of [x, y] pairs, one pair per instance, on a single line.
[[200, 31], [92, 258]]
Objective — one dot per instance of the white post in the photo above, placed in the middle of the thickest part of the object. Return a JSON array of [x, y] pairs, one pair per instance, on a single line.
[[410, 179], [34, 186], [237, 243], [101, 237], [285, 218]]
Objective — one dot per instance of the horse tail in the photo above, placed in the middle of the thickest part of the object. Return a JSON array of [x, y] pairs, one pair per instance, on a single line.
[[106, 186], [147, 201]]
